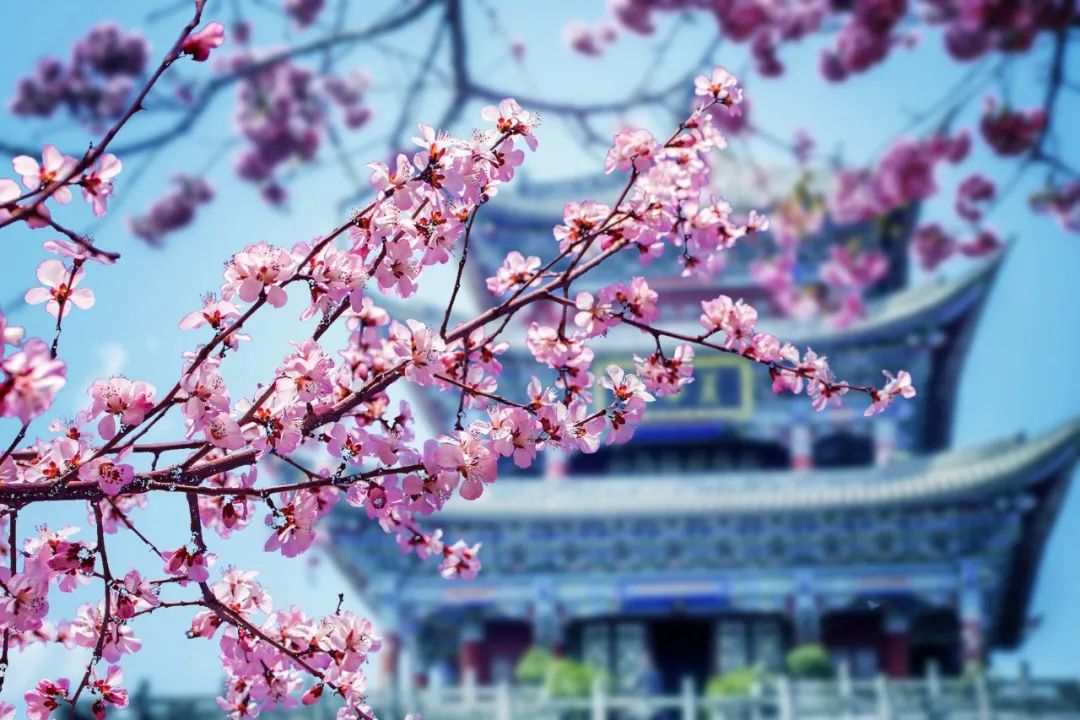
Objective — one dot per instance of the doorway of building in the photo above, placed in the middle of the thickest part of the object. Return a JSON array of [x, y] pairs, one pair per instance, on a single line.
[[935, 638], [681, 648]]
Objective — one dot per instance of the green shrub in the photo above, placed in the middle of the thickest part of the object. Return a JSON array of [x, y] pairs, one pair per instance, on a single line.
[[736, 683], [532, 668], [570, 678], [809, 661], [561, 677]]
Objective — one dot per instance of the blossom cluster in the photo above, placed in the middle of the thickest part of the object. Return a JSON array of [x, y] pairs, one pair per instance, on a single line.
[[868, 30], [327, 417], [53, 178], [95, 84], [282, 113], [173, 211]]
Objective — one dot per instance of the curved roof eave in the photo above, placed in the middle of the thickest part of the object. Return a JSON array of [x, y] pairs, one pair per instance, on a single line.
[[942, 477]]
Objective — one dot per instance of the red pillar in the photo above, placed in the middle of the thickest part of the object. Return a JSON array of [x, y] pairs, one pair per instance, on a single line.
[[388, 656], [896, 648], [470, 651], [971, 616], [802, 451]]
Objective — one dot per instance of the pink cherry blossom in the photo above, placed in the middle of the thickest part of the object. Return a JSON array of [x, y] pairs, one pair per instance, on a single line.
[[460, 561], [53, 167], [60, 289], [293, 524], [421, 348], [215, 313], [514, 272], [1011, 132], [97, 183], [188, 564], [664, 376], [199, 44], [258, 269], [223, 431], [109, 475], [735, 319], [108, 691], [633, 149], [511, 120], [31, 379], [721, 86], [119, 398], [974, 191], [24, 603], [46, 697], [932, 245]]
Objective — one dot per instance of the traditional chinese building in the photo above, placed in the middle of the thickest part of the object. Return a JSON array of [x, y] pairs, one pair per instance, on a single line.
[[738, 523]]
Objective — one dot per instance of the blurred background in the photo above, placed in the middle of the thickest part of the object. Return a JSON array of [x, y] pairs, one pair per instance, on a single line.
[[740, 535]]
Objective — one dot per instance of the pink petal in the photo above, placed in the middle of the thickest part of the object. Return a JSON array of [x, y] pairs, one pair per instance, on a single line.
[[36, 296], [52, 273], [26, 165], [9, 191], [53, 160], [110, 167], [83, 298], [192, 320]]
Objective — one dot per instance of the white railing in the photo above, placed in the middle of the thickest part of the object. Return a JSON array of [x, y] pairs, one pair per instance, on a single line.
[[778, 698]]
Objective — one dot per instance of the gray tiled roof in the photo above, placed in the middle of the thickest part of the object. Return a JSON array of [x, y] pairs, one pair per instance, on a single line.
[[949, 475]]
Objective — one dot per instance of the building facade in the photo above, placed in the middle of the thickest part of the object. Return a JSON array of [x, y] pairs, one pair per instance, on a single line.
[[738, 524]]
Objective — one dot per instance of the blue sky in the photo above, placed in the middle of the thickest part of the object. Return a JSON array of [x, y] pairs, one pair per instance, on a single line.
[[1020, 375]]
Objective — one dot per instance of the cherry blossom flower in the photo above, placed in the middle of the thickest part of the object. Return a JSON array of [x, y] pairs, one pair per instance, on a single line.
[[137, 595], [932, 245], [258, 269], [665, 376], [187, 564], [53, 167], [199, 44], [514, 272], [46, 697], [898, 386], [109, 474], [1011, 132], [24, 603], [721, 86], [215, 313], [121, 398], [293, 525], [223, 431], [460, 561], [735, 319], [419, 347], [510, 119], [97, 182], [985, 242], [970, 194], [108, 692], [1061, 202], [9, 334], [633, 149], [31, 380], [60, 289]]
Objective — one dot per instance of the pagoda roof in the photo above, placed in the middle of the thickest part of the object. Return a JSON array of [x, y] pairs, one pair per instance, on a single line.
[[955, 475], [938, 301], [741, 184]]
